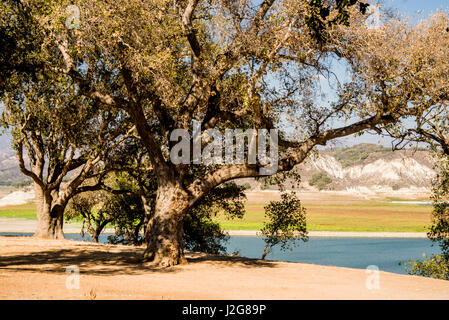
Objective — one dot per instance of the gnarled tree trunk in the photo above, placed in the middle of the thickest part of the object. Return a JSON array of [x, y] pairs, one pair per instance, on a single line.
[[164, 231], [149, 211], [50, 216]]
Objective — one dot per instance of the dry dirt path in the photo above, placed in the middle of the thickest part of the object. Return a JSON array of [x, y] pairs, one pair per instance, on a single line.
[[36, 269]]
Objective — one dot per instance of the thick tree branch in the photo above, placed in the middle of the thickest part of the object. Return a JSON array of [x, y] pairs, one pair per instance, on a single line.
[[295, 156], [23, 168]]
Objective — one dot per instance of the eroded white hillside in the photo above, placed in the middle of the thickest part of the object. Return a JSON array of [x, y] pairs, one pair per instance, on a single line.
[[382, 172]]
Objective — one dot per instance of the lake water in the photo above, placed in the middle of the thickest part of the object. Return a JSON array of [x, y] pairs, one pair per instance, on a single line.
[[387, 253]]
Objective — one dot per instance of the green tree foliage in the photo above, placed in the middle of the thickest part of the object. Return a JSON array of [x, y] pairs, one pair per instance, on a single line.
[[100, 209], [439, 231], [437, 266], [355, 155], [55, 130], [201, 233], [118, 207], [319, 17], [246, 185], [128, 224], [286, 223], [320, 180]]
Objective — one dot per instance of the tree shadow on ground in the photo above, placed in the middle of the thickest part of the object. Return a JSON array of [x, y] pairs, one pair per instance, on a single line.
[[224, 260], [92, 261], [111, 262]]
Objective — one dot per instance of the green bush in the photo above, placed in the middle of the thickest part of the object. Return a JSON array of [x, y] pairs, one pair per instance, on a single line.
[[395, 187], [320, 180], [264, 187], [246, 186], [437, 266]]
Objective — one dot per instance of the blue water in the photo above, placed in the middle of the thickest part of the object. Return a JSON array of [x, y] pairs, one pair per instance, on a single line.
[[386, 253]]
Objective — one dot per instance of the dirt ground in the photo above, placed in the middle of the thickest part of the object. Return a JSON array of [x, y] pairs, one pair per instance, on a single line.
[[36, 269]]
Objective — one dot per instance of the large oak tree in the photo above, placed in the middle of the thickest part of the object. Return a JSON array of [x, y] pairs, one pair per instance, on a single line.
[[61, 138], [65, 140], [227, 64]]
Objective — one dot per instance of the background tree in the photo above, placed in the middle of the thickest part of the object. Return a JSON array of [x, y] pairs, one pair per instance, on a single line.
[[320, 180], [117, 203], [437, 266], [96, 210], [63, 136]]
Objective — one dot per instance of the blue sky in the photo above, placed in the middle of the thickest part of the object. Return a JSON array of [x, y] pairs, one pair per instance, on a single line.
[[411, 7]]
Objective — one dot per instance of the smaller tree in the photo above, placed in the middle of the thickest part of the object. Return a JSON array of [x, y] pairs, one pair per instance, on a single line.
[[439, 231], [99, 209], [129, 219], [91, 207], [113, 199], [286, 223], [437, 266]]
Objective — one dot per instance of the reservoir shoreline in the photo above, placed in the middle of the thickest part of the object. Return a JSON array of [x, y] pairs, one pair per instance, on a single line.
[[341, 234], [17, 225]]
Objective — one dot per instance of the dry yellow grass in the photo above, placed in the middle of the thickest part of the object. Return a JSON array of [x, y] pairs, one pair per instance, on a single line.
[[334, 212]]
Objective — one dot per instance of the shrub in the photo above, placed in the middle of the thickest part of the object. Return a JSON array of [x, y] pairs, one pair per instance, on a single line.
[[286, 223], [437, 266], [320, 180], [246, 186]]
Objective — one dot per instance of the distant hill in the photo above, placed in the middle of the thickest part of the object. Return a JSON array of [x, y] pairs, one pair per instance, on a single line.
[[360, 166], [10, 174], [363, 166], [373, 166]]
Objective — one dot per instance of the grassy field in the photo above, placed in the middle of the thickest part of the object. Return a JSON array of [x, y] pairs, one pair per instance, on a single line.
[[24, 211], [357, 216], [330, 214]]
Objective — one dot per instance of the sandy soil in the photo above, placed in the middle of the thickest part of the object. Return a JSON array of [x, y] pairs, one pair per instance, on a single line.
[[19, 225], [36, 269]]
